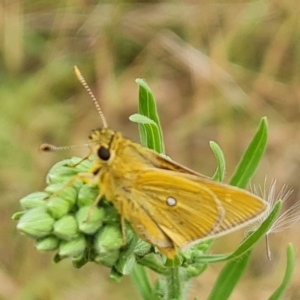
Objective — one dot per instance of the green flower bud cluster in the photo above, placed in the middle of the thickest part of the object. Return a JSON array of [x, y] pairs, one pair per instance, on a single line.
[[65, 219]]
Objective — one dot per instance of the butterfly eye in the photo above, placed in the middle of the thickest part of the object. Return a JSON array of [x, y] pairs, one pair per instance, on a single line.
[[103, 153]]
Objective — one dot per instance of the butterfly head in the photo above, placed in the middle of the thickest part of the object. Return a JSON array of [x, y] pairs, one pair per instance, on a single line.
[[103, 143]]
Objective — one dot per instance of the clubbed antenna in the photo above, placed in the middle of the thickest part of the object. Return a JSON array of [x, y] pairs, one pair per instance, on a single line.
[[52, 148], [85, 85]]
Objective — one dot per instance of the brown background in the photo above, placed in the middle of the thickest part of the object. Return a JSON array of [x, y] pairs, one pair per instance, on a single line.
[[215, 67]]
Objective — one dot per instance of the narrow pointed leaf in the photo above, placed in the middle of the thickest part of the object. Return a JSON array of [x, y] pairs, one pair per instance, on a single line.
[[151, 137], [229, 277], [221, 168], [252, 156], [290, 267]]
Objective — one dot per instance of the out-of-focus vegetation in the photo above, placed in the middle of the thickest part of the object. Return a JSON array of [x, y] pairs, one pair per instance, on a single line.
[[215, 67]]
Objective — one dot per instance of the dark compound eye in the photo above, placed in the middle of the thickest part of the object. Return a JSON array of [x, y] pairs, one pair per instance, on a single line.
[[103, 153]]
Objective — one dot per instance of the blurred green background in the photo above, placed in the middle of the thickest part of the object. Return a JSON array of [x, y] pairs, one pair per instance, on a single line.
[[216, 67]]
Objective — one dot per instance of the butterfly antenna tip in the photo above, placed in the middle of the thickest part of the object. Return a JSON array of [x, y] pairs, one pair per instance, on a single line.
[[85, 85]]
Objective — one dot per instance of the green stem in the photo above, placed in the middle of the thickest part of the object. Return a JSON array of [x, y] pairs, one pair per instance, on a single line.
[[174, 287], [141, 280]]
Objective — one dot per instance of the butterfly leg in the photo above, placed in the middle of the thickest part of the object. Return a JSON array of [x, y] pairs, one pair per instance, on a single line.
[[96, 202], [123, 229], [69, 183], [123, 226], [83, 159], [82, 176]]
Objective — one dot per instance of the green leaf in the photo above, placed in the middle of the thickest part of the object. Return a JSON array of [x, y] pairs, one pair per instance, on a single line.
[[151, 262], [138, 118], [221, 168], [252, 156], [229, 277], [149, 132], [150, 135], [290, 267]]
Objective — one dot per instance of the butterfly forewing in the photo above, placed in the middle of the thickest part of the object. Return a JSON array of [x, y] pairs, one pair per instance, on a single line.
[[201, 210], [183, 214], [241, 207]]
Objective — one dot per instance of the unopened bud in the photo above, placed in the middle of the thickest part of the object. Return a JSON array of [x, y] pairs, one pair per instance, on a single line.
[[57, 207], [87, 195], [36, 222], [108, 239], [73, 248], [48, 243], [80, 260], [67, 193], [34, 200], [61, 172], [66, 228], [194, 270], [108, 259], [90, 219]]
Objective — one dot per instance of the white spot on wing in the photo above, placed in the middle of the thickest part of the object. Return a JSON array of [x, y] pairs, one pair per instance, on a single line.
[[171, 201]]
